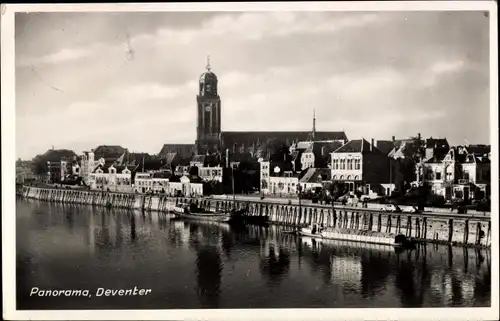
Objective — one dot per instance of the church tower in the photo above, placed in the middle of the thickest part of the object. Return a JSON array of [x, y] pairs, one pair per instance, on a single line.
[[208, 127]]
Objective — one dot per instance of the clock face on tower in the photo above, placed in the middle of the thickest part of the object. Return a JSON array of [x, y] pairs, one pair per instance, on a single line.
[[208, 108]]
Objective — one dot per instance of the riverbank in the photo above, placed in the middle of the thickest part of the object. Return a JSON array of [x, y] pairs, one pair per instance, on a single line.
[[449, 228], [295, 201]]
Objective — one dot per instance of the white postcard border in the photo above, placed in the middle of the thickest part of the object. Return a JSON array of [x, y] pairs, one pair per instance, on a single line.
[[8, 168]]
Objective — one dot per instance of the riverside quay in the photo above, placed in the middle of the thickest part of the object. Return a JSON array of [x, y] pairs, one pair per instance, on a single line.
[[446, 228]]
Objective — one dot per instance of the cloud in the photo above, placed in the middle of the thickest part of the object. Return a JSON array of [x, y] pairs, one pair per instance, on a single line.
[[151, 91], [61, 56], [371, 74], [442, 67]]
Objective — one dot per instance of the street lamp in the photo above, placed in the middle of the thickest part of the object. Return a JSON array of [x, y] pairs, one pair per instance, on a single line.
[[277, 171]]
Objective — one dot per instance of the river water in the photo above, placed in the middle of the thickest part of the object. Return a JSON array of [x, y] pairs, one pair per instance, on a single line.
[[206, 265]]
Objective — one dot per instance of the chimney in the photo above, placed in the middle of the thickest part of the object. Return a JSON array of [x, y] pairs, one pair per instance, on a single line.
[[371, 146], [393, 139]]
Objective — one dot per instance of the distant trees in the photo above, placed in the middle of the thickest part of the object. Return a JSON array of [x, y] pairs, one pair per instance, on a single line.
[[39, 162], [403, 172]]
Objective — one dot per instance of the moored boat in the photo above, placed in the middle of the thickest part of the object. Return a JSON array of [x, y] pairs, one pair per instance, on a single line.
[[193, 212], [362, 236], [242, 217]]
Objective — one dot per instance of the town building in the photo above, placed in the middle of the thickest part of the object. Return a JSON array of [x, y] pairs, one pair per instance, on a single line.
[[87, 166], [166, 183], [458, 173], [156, 182], [359, 164], [70, 168], [285, 184], [54, 171], [107, 177], [314, 178], [265, 173], [211, 173], [318, 153], [211, 139]]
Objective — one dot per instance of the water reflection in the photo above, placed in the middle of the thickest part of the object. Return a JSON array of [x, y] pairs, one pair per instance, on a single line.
[[211, 265], [276, 265], [209, 273]]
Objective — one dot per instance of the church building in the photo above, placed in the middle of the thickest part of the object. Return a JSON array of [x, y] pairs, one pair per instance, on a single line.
[[211, 139]]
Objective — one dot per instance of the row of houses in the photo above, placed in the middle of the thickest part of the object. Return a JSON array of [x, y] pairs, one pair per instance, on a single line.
[[114, 168], [122, 179], [376, 167], [373, 167]]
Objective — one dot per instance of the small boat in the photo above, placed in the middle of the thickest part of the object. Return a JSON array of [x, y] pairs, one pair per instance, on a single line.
[[193, 212], [362, 236]]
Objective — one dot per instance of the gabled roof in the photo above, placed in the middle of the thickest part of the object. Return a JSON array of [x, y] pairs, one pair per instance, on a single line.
[[170, 157], [133, 158], [184, 150], [230, 139], [310, 148], [357, 146], [385, 146], [436, 143], [407, 149], [105, 168], [198, 159], [314, 175]]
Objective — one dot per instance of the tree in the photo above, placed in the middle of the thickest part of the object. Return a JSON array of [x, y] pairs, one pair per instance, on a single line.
[[337, 189], [39, 162], [281, 153]]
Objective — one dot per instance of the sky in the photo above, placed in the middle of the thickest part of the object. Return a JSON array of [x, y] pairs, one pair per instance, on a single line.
[[130, 79]]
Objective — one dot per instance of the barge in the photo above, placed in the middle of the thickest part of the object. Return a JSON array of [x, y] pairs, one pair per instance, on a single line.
[[370, 237], [193, 212]]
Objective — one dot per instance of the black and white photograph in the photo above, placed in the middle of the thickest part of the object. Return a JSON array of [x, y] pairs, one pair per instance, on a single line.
[[250, 161]]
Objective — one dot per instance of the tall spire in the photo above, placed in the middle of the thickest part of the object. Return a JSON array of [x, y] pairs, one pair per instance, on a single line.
[[314, 124], [208, 63]]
